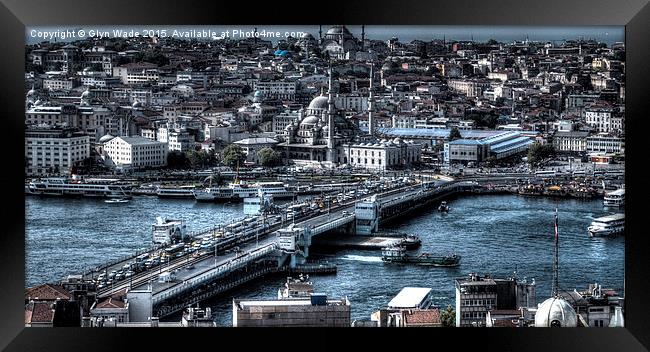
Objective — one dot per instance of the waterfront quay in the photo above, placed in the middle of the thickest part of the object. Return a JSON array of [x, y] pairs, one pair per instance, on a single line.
[[189, 277]]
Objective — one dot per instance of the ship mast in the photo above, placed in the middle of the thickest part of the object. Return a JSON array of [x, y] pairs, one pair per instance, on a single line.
[[556, 260]]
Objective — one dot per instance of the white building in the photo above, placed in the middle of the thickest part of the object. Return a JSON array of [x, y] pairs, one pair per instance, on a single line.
[[137, 73], [251, 146], [385, 154], [54, 150], [276, 89], [604, 120], [134, 152], [605, 143], [575, 141]]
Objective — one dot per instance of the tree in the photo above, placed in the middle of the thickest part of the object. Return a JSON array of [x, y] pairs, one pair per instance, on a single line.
[[448, 317], [199, 159], [269, 157], [454, 134], [233, 155], [538, 152]]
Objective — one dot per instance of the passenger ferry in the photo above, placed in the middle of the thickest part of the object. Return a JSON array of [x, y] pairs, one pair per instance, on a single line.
[[615, 198], [609, 225], [238, 190], [175, 192], [77, 187]]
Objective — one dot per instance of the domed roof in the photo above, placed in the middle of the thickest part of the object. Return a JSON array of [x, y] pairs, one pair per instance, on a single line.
[[105, 138], [257, 97], [307, 36], [289, 127], [338, 30], [309, 120], [556, 312], [86, 94], [136, 103], [320, 102], [31, 92]]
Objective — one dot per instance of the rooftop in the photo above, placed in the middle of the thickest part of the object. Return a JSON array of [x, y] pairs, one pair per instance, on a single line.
[[409, 297]]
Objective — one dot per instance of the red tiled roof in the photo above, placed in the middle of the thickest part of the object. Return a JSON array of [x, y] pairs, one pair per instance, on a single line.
[[47, 292], [111, 303], [39, 312], [419, 317]]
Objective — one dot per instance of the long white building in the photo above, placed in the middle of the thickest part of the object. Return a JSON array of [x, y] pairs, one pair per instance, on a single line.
[[133, 152]]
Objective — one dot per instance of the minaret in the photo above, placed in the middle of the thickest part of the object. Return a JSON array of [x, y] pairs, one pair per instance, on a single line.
[[363, 37], [555, 260], [320, 34], [330, 117], [371, 122]]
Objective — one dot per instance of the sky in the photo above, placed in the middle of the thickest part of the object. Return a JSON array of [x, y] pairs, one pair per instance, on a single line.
[[606, 34]]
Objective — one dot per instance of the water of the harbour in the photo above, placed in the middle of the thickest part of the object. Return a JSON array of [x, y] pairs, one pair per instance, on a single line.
[[493, 233]]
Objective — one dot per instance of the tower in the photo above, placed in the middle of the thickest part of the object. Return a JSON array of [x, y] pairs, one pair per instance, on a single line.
[[363, 37], [320, 34], [330, 119], [371, 122]]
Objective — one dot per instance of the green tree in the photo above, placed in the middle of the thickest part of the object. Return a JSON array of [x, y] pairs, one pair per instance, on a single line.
[[268, 157], [198, 159], [448, 317], [538, 152], [454, 134], [233, 155]]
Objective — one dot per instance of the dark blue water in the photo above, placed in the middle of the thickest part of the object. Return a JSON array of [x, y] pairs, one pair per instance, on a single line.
[[605, 34], [493, 234]]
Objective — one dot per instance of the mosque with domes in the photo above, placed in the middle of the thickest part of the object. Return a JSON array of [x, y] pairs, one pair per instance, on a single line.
[[322, 135]]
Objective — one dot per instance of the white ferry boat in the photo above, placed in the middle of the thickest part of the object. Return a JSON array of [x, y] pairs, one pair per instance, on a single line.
[[76, 187], [615, 198], [175, 192], [238, 190], [609, 225]]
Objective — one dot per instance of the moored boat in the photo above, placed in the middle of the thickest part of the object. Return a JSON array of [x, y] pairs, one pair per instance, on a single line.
[[606, 226], [397, 254], [614, 198]]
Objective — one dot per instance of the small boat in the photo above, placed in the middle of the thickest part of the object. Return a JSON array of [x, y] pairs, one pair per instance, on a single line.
[[397, 254], [443, 207], [117, 200]]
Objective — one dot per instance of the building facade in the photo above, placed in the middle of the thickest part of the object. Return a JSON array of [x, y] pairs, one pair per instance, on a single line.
[[54, 150], [134, 153]]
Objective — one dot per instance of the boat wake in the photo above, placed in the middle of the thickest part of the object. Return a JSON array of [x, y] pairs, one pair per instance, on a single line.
[[361, 258]]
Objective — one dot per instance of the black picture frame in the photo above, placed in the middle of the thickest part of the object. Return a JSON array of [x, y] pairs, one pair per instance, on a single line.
[[15, 15]]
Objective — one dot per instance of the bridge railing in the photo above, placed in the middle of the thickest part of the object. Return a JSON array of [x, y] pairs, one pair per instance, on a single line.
[[213, 273], [332, 224]]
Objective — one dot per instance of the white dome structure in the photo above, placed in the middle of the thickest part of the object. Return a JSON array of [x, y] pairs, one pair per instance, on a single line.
[[310, 120], [320, 102], [106, 138], [556, 312]]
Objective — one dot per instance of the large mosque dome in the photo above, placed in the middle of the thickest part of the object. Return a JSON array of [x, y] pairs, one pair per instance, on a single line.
[[310, 120], [556, 312], [319, 102], [338, 30]]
